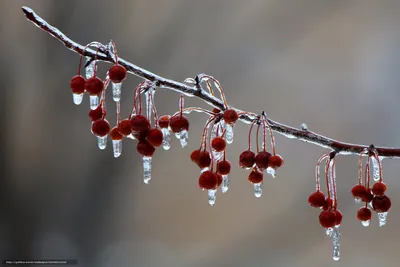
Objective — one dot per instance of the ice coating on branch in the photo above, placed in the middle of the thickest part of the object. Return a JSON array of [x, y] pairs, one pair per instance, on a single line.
[[93, 101], [257, 190], [217, 155], [375, 169], [212, 193], [89, 70], [382, 218], [166, 143], [229, 133], [102, 142], [77, 98], [183, 137], [117, 148], [149, 104], [304, 127], [146, 169], [272, 172], [365, 223], [116, 90], [336, 243], [225, 183]]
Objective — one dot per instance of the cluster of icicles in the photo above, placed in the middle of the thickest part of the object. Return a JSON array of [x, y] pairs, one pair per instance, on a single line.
[[373, 198]]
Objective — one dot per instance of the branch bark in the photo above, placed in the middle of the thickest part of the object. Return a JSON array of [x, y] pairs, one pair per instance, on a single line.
[[194, 91]]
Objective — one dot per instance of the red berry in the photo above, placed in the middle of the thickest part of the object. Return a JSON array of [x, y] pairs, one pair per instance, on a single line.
[[339, 217], [96, 114], [125, 127], [262, 159], [368, 196], [100, 127], [381, 203], [204, 160], [247, 159], [218, 144], [379, 189], [219, 179], [358, 191], [317, 199], [195, 156], [208, 180], [223, 167], [94, 85], [178, 123], [77, 84], [255, 177], [327, 218], [328, 204], [115, 135], [230, 116], [163, 121], [140, 123], [155, 137], [215, 110], [275, 161], [364, 214], [117, 73], [145, 149]]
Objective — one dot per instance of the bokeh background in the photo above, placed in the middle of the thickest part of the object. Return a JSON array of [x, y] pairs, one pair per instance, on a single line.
[[331, 64]]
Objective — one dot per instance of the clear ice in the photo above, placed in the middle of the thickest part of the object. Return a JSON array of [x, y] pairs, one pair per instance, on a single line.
[[102, 142], [204, 169], [77, 98], [217, 155], [211, 196], [336, 243], [304, 127], [116, 91], [94, 101], [229, 133], [183, 137], [225, 183], [375, 169], [257, 190], [365, 223], [272, 172], [89, 70], [117, 148], [357, 200], [382, 218], [329, 231], [217, 129], [149, 104], [146, 169], [166, 142]]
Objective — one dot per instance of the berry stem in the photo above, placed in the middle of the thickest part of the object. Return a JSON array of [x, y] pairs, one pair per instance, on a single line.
[[328, 161], [265, 120], [249, 136], [317, 176]]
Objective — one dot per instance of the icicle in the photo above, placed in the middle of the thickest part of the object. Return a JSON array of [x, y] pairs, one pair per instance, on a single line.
[[375, 169], [116, 89], [336, 243], [149, 104], [183, 137], [257, 190], [217, 155], [146, 169], [329, 231], [77, 98], [94, 101], [272, 172], [365, 223], [89, 70], [330, 176], [117, 148], [225, 183], [382, 218], [229, 133], [102, 142], [211, 196], [166, 142]]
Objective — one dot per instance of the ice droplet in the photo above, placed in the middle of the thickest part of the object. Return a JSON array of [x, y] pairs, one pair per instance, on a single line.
[[375, 169], [357, 200], [89, 70], [229, 133], [336, 243], [166, 142], [204, 169], [183, 137], [117, 148], [304, 127], [212, 193], [272, 172], [94, 101], [329, 231], [217, 155], [257, 190], [116, 90], [131, 136], [146, 169], [77, 98], [225, 183], [382, 218], [365, 223], [102, 142]]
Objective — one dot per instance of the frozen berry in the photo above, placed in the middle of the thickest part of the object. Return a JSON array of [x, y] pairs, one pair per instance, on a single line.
[[125, 127], [255, 177], [117, 73], [368, 196], [195, 156], [379, 189], [94, 85], [219, 179], [208, 180], [223, 167], [100, 127], [339, 217], [163, 121], [247, 159], [275, 161], [327, 218], [358, 191], [328, 204], [140, 123], [218, 144], [230, 116], [179, 123], [262, 159], [317, 199], [77, 84], [145, 149], [96, 114], [115, 135], [155, 137], [381, 203], [364, 214], [204, 159]]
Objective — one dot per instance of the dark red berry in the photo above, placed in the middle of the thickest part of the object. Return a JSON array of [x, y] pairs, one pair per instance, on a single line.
[[77, 84], [327, 218], [368, 196], [100, 127], [163, 121], [125, 127], [328, 204], [219, 179], [145, 149], [247, 159], [96, 114], [140, 123], [358, 191], [155, 137], [94, 85], [195, 156], [255, 177], [364, 214], [218, 144], [208, 180], [215, 110], [230, 116], [339, 217], [117, 73], [379, 189], [115, 135], [381, 203], [262, 159], [178, 123], [317, 199], [223, 167], [204, 159], [275, 161]]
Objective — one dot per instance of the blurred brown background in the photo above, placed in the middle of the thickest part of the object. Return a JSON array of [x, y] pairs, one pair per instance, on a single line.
[[331, 64]]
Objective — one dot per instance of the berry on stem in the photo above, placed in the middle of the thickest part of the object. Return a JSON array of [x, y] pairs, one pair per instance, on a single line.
[[208, 180], [328, 204], [223, 167], [379, 189], [94, 85], [230, 116], [178, 123], [218, 144], [155, 137], [275, 161], [96, 114], [117, 73], [247, 159], [262, 159], [381, 203], [125, 127], [327, 218], [140, 123], [204, 159], [145, 149], [317, 199], [339, 217], [115, 135], [359, 191], [364, 214], [77, 84], [163, 121], [255, 176], [195, 156], [100, 127]]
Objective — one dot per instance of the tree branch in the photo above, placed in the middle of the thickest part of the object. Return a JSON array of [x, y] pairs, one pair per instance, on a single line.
[[195, 91]]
